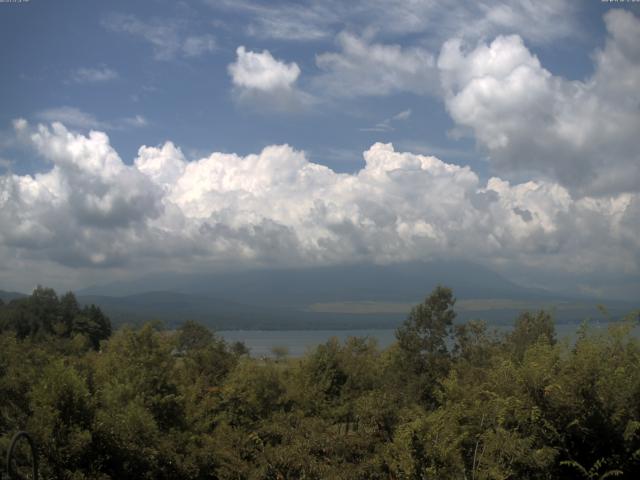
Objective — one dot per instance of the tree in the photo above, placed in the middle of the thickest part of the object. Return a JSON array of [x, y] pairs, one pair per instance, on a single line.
[[280, 352], [140, 405], [193, 336], [423, 338], [92, 323], [251, 394], [69, 309], [239, 349], [529, 329], [44, 314], [35, 315], [61, 420]]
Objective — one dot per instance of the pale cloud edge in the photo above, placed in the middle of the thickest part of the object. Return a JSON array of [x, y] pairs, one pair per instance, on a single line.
[[168, 37], [260, 80], [75, 118], [540, 22], [365, 68], [102, 74]]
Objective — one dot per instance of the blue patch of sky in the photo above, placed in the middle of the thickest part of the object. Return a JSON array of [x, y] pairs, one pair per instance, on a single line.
[[189, 100]]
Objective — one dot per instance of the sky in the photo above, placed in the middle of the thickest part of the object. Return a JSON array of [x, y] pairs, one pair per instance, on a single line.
[[212, 135]]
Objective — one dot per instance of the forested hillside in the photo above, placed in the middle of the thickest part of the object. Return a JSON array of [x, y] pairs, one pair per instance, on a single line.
[[446, 401]]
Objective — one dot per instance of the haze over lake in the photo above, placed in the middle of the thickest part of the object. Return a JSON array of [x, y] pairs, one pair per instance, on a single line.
[[297, 343]]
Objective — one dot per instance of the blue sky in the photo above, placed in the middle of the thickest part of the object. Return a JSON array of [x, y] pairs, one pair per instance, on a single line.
[[503, 88], [189, 99]]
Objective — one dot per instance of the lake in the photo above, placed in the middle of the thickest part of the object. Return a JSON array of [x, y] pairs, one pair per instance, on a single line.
[[298, 342]]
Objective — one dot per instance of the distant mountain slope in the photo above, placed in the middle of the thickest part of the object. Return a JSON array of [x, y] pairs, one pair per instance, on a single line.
[[170, 307], [338, 297], [8, 296], [301, 287], [360, 296], [174, 308]]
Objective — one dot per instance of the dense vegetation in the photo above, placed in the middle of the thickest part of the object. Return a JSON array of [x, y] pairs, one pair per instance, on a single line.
[[446, 401]]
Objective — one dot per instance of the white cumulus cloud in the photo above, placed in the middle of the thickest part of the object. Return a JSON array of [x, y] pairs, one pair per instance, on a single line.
[[261, 80], [533, 123], [92, 211], [84, 210], [260, 71]]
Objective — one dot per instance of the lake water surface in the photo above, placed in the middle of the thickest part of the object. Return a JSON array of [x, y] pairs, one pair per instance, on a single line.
[[298, 342]]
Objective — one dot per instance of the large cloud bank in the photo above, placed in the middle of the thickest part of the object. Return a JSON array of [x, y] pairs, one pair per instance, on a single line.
[[91, 210], [565, 198]]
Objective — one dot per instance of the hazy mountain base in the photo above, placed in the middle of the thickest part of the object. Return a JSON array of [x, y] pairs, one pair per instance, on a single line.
[[337, 297], [444, 402], [299, 287], [173, 309]]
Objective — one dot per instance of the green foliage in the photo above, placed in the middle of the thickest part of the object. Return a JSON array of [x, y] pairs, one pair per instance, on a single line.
[[61, 420], [280, 352], [192, 337], [529, 329], [44, 315], [445, 402], [423, 342], [424, 334]]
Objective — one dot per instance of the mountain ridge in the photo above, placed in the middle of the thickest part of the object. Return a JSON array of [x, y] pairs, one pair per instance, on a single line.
[[338, 297]]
